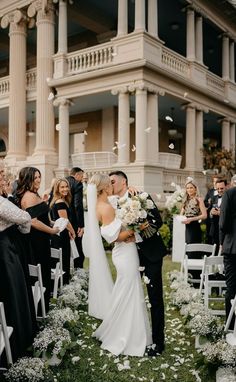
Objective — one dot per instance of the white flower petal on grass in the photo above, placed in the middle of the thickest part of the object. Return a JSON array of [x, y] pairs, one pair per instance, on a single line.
[[116, 360], [164, 366], [163, 377], [75, 359]]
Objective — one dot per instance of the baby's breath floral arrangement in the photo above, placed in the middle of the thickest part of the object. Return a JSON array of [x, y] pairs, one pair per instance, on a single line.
[[207, 325], [29, 369], [174, 201], [215, 352], [52, 341], [58, 317]]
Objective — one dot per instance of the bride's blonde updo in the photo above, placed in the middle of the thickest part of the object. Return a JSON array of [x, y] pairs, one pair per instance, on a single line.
[[102, 181]]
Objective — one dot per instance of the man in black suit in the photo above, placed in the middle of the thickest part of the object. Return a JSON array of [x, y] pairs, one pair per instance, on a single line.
[[214, 209], [77, 211], [151, 251], [211, 193], [227, 226]]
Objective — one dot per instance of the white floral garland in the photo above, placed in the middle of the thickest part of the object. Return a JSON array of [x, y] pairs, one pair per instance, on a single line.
[[203, 323], [54, 335]]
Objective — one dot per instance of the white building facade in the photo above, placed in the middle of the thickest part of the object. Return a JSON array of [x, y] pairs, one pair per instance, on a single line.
[[90, 85]]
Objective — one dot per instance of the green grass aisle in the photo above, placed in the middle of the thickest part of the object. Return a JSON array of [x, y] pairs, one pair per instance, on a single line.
[[87, 362]]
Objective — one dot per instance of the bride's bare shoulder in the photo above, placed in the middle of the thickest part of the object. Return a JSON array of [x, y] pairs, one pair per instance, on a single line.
[[105, 212]]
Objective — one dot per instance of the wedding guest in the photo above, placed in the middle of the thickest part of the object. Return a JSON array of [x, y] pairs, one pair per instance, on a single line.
[[77, 211], [194, 210], [151, 252], [29, 200], [215, 212], [13, 287], [59, 208], [207, 201], [227, 225]]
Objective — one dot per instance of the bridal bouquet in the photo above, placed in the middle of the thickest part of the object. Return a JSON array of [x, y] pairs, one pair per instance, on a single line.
[[133, 212]]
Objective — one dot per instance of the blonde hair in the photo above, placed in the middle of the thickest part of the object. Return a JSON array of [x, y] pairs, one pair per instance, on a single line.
[[56, 194], [101, 181], [186, 197]]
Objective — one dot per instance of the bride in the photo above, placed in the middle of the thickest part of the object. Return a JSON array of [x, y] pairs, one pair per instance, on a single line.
[[125, 328]]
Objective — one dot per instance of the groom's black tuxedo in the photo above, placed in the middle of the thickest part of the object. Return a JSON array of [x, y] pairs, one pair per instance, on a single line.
[[151, 251]]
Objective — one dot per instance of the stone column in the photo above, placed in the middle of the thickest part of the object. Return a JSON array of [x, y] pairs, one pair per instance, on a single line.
[[199, 140], [231, 62], [122, 28], [225, 133], [190, 34], [232, 136], [190, 138], [153, 128], [140, 15], [64, 133], [153, 17], [17, 84], [123, 127], [199, 40], [141, 124], [225, 58], [62, 27], [45, 50]]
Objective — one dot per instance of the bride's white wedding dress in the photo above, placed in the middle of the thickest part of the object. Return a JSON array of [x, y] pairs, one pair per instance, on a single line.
[[125, 328]]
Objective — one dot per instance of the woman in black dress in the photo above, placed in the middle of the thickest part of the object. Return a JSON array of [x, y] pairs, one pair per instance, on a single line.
[[59, 205], [13, 285], [194, 210], [28, 199]]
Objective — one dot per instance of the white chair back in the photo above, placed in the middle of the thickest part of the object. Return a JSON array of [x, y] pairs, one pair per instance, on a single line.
[[57, 272], [5, 334], [38, 289]]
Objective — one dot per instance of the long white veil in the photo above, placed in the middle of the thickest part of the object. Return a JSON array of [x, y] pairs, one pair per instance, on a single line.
[[100, 279]]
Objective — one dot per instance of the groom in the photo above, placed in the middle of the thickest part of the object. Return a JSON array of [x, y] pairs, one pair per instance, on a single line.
[[151, 251]]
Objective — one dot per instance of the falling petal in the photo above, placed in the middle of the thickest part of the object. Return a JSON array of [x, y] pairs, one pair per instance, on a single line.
[[51, 96], [133, 148], [58, 127], [114, 54], [148, 129], [171, 146], [185, 94], [85, 132], [114, 148], [141, 269]]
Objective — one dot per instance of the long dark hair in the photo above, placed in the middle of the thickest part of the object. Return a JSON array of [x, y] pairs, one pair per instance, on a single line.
[[25, 182]]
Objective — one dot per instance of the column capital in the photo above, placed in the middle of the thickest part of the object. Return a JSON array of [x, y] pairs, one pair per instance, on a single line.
[[16, 17], [122, 89], [62, 101], [40, 7]]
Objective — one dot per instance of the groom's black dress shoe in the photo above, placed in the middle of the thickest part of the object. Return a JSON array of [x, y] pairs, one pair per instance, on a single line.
[[156, 351]]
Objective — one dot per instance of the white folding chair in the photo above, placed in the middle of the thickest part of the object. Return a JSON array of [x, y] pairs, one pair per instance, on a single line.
[[212, 276], [195, 264], [5, 334], [57, 272], [231, 337], [38, 289]]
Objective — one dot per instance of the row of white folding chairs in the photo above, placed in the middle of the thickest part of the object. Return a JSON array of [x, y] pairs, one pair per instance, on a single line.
[[208, 266], [5, 334], [38, 289]]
